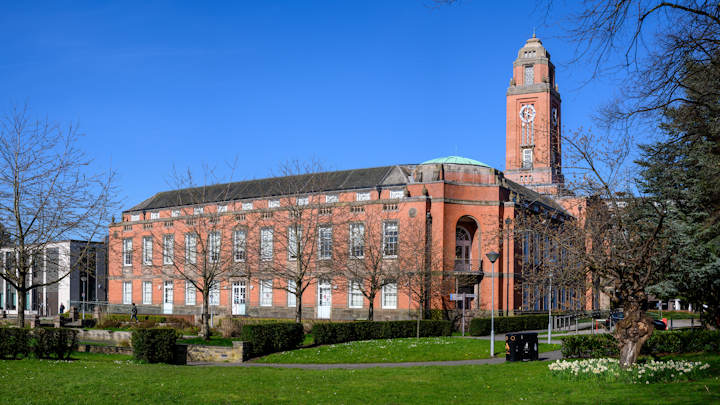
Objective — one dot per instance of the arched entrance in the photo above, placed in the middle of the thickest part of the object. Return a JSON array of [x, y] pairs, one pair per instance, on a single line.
[[463, 248], [467, 263]]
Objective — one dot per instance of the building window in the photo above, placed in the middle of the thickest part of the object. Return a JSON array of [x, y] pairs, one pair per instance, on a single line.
[[527, 158], [189, 293], [214, 298], [222, 208], [127, 292], [198, 210], [266, 293], [247, 206], [168, 249], [127, 227], [355, 297], [397, 193], [147, 250], [266, 244], [291, 298], [390, 207], [331, 198], [127, 252], [214, 246], [135, 217], [267, 215], [273, 203], [190, 248], [168, 224], [390, 239], [357, 240], [239, 244], [529, 75], [147, 292], [147, 226], [175, 213], [325, 211], [240, 217], [294, 241], [357, 209], [364, 196], [389, 296], [325, 242], [154, 215], [303, 201]]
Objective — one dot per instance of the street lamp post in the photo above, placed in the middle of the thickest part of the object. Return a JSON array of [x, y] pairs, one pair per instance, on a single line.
[[492, 256], [83, 278], [508, 221]]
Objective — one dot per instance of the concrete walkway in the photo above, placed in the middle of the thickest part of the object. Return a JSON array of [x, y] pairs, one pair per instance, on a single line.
[[547, 356]]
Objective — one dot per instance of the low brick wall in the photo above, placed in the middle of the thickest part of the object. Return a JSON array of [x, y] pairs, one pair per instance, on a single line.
[[105, 349], [100, 335], [216, 354]]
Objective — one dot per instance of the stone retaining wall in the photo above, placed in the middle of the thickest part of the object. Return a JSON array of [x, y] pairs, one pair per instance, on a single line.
[[101, 335], [105, 349], [216, 354]]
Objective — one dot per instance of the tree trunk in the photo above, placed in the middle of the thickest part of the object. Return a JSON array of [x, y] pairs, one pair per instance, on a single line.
[[371, 307], [22, 296], [298, 307], [419, 315], [205, 328], [632, 332]]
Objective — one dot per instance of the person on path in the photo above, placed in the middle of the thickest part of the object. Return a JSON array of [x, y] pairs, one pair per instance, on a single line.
[[133, 313], [62, 308]]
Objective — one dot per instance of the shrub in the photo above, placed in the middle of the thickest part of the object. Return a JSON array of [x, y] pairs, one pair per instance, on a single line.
[[232, 327], [57, 342], [14, 342], [272, 337], [339, 332], [504, 324], [679, 341], [155, 345]]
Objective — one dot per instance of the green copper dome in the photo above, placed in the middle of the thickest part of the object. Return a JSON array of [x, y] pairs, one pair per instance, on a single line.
[[459, 160]]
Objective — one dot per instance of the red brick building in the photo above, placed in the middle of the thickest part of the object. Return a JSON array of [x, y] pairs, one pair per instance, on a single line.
[[453, 210]]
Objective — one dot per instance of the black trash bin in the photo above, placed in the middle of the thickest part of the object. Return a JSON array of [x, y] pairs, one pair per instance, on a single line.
[[528, 346], [513, 344]]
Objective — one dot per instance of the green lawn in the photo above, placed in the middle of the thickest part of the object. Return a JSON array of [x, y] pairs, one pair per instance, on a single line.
[[394, 351], [102, 379], [673, 315]]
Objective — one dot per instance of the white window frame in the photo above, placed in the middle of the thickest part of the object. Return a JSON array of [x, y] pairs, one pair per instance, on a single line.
[[274, 204], [266, 244], [357, 240], [303, 200], [222, 208], [527, 158], [190, 248], [147, 292], [397, 194], [331, 198], [214, 295], [214, 241], [135, 217], [190, 293], [266, 293], [294, 234], [355, 294], [247, 206], [175, 213], [325, 242], [239, 245], [389, 296], [387, 252], [291, 298], [147, 250], [127, 292], [155, 215], [362, 196], [168, 249], [198, 210], [127, 252]]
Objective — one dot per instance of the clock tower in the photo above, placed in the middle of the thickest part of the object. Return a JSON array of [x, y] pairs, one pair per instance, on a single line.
[[533, 154]]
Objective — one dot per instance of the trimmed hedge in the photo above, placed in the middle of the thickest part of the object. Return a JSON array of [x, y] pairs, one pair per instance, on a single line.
[[272, 337], [155, 345], [505, 324], [57, 342], [679, 341], [339, 332], [14, 342]]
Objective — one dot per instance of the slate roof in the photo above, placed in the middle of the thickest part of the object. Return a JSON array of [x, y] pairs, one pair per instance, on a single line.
[[534, 196], [268, 187]]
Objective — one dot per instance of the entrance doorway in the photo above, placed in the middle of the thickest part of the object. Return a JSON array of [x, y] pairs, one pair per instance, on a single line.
[[463, 247], [324, 299], [168, 297], [238, 298]]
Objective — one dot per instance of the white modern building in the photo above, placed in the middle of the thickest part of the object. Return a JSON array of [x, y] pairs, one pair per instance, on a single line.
[[83, 277]]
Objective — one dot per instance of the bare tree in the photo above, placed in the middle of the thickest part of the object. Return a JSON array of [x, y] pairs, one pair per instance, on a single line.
[[301, 221], [46, 195], [369, 261]]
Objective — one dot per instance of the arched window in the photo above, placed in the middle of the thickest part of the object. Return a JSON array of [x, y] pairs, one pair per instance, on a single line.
[[463, 248]]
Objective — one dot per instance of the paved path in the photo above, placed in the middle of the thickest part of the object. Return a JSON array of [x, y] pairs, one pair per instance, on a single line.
[[547, 356]]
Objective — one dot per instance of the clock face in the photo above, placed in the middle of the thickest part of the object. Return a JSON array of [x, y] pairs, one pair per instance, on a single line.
[[554, 116], [527, 113]]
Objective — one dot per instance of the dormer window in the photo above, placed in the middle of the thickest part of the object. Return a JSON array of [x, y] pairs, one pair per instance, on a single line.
[[154, 215], [273, 203], [135, 217], [362, 196], [247, 206], [397, 194]]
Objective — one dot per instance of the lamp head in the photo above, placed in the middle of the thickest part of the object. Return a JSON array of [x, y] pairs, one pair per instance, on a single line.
[[493, 256]]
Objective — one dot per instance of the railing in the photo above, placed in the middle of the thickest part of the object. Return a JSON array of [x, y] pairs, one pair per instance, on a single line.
[[468, 265]]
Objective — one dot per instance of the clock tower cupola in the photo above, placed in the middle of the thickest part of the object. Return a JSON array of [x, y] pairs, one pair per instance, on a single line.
[[533, 153]]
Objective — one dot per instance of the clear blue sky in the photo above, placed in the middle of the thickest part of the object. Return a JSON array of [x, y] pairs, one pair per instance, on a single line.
[[350, 83]]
